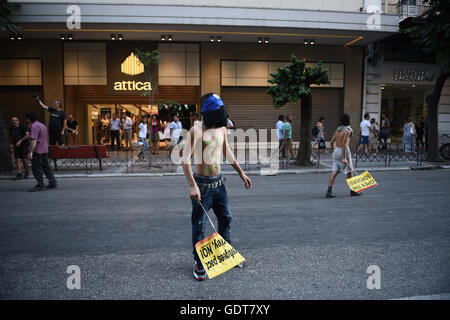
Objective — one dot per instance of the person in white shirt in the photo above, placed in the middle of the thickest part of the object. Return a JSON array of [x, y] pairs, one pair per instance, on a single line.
[[365, 131], [195, 119], [127, 130], [142, 136], [175, 133]]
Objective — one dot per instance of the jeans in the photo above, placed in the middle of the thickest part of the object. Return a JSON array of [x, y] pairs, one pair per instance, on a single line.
[[115, 137], [144, 146], [215, 198], [41, 166]]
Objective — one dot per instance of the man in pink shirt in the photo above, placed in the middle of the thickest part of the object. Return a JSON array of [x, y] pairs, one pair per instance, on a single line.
[[38, 154]]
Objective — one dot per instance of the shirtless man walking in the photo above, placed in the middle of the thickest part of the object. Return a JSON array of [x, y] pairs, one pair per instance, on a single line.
[[342, 160], [207, 141]]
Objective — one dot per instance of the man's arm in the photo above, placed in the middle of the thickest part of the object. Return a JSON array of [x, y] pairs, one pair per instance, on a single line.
[[188, 150], [42, 104], [229, 155], [346, 145], [25, 137], [32, 146]]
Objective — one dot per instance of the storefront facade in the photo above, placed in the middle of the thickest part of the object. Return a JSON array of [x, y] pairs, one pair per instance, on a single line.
[[92, 69], [400, 91]]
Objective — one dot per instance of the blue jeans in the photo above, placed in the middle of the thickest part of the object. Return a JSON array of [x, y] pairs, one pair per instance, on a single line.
[[215, 198], [144, 146]]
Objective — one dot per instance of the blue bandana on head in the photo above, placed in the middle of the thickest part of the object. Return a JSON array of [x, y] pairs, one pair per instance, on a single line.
[[212, 103]]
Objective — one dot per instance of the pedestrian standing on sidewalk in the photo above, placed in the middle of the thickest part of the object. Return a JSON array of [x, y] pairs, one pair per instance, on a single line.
[[175, 133], [342, 158], [319, 136], [128, 131], [19, 143], [38, 154], [114, 129], [279, 127], [155, 126], [373, 136], [71, 131], [287, 137], [142, 136], [420, 130], [364, 134], [206, 187], [409, 137], [385, 130]]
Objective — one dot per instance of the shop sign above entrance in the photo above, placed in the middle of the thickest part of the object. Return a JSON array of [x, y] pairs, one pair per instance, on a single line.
[[411, 75], [126, 73]]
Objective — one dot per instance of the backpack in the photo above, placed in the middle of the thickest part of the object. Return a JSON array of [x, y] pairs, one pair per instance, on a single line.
[[315, 131]]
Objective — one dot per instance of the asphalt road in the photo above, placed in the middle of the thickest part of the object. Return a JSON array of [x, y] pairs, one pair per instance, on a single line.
[[131, 238]]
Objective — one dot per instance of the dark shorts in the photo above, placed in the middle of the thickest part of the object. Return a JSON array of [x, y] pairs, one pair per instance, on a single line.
[[20, 152], [364, 139]]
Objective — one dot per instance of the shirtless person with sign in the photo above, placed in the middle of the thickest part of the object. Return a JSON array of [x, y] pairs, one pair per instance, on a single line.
[[207, 142], [342, 160]]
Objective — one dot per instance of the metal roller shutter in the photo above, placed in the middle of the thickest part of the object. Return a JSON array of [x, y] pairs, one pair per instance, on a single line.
[[251, 107], [17, 101]]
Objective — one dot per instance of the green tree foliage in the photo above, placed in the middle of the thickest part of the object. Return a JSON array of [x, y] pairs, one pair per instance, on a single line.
[[150, 60], [431, 31], [6, 9], [292, 84]]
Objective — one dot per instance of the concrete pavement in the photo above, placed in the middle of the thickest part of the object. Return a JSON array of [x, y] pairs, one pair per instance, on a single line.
[[130, 236]]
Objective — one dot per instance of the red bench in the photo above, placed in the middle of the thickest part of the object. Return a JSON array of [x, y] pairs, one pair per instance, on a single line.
[[78, 152]]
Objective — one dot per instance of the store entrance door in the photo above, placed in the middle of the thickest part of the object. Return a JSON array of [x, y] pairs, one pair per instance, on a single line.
[[402, 101]]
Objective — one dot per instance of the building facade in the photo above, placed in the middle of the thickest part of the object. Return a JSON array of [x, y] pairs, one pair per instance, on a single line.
[[82, 53]]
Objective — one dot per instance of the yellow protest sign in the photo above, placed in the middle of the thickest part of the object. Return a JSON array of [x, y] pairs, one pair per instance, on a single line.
[[217, 255], [361, 182]]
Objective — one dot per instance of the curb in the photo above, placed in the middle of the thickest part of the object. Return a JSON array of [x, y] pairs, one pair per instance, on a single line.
[[250, 172]]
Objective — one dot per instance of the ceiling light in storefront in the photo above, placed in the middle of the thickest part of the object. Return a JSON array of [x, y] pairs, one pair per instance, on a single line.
[[70, 37], [219, 39], [413, 85], [305, 42], [312, 41], [212, 39], [62, 37], [113, 37], [15, 37], [120, 37], [259, 40], [266, 40], [170, 38], [163, 38]]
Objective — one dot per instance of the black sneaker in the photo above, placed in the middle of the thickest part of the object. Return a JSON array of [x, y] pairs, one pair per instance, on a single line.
[[51, 186], [17, 177], [37, 188], [330, 195], [199, 272], [354, 194], [27, 174]]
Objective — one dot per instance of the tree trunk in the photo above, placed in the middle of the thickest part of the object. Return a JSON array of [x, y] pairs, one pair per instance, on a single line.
[[5, 154], [432, 118], [304, 154]]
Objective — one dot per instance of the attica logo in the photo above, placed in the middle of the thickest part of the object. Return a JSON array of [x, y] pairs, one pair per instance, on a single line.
[[132, 66]]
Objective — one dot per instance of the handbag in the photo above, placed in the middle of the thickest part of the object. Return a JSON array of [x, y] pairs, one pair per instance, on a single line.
[[322, 144]]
